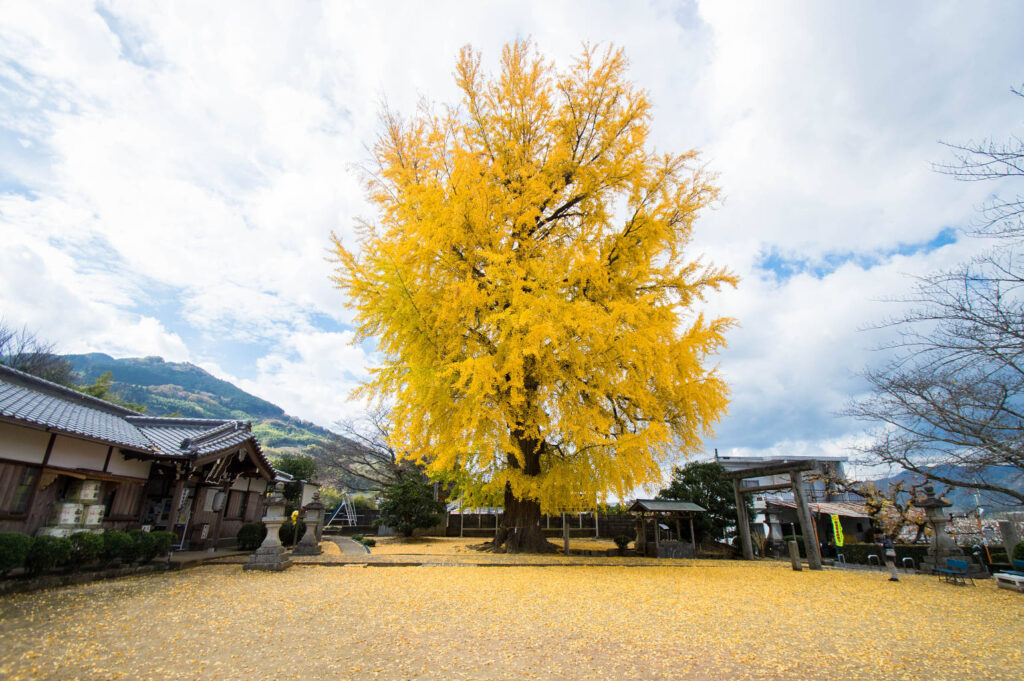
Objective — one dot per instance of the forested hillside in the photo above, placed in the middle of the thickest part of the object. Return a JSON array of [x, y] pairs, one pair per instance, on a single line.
[[183, 389]]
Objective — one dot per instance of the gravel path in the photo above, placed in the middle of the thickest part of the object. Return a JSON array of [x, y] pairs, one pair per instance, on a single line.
[[349, 547]]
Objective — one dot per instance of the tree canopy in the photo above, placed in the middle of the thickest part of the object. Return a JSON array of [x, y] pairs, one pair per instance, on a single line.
[[702, 483], [408, 503], [527, 284]]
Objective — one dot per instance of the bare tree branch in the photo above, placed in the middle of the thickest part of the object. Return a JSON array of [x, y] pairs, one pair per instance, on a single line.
[[950, 404], [24, 351]]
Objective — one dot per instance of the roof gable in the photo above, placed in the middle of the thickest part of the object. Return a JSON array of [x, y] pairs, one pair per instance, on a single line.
[[27, 399]]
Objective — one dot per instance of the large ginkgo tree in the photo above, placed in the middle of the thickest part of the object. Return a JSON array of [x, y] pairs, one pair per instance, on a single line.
[[526, 283]]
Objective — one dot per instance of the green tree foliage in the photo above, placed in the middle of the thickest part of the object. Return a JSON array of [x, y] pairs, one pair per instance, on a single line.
[[702, 483], [102, 388], [300, 467], [409, 504]]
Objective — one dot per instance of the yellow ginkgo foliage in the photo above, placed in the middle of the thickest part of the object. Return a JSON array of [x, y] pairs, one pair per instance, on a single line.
[[527, 286]]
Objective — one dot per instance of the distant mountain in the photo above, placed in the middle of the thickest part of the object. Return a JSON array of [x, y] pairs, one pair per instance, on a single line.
[[963, 499], [183, 389]]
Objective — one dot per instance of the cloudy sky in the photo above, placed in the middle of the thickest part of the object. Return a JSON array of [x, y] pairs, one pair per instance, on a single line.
[[170, 172]]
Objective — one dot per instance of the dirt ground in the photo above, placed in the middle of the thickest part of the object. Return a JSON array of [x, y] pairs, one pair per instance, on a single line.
[[725, 620]]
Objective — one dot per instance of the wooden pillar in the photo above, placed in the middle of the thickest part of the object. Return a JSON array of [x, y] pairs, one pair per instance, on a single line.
[[693, 536], [742, 522], [172, 516], [803, 512], [565, 536], [641, 535], [679, 529]]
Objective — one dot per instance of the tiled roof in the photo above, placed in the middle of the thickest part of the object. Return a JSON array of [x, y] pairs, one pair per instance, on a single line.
[[655, 505], [847, 509], [32, 400]]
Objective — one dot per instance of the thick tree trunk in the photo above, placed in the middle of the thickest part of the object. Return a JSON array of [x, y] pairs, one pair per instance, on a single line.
[[520, 530]]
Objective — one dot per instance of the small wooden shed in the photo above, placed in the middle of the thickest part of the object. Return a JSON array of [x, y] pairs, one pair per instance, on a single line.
[[659, 510]]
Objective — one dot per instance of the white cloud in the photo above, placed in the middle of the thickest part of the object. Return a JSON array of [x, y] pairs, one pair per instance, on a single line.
[[186, 164], [312, 376]]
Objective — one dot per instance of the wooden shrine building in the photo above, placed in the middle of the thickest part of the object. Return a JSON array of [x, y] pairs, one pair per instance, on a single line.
[[659, 513], [70, 462]]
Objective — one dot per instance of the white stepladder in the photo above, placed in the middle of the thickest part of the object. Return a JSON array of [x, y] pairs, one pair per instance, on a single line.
[[345, 514]]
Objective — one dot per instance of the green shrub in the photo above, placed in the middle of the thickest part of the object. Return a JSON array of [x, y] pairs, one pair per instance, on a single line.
[[47, 553], [622, 541], [251, 535], [86, 547], [117, 545], [163, 541], [145, 545], [287, 532], [858, 553], [14, 547], [357, 537], [368, 541], [364, 502], [408, 504], [1018, 551]]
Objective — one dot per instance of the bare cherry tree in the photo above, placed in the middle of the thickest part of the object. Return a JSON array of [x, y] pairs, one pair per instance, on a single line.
[[361, 451], [23, 350], [950, 402]]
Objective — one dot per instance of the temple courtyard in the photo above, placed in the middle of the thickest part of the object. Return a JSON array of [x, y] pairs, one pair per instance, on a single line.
[[443, 611]]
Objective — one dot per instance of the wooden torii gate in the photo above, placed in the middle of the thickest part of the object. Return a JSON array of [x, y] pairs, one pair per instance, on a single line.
[[794, 469]]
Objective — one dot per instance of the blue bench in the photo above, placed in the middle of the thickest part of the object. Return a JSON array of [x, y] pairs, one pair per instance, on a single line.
[[956, 571], [1019, 569]]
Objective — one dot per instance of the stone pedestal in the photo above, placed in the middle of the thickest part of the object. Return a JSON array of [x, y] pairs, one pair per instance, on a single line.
[[308, 545], [942, 545], [1008, 530], [271, 555]]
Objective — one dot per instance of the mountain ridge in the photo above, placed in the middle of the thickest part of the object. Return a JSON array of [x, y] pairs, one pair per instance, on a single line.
[[184, 389]]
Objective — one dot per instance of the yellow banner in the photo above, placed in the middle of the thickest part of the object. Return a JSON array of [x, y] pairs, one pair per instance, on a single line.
[[837, 530]]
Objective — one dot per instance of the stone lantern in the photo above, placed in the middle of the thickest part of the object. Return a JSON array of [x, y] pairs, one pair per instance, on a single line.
[[942, 545], [271, 555], [309, 545]]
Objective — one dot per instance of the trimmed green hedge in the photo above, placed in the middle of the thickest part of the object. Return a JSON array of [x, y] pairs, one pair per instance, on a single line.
[[86, 547], [38, 554], [1018, 551], [287, 532], [47, 553], [858, 553], [14, 548], [251, 535], [116, 545]]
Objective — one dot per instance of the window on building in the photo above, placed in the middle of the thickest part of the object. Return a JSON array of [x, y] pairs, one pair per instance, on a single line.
[[16, 482]]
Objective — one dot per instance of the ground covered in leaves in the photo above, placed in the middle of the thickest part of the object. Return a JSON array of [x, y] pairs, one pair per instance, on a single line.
[[719, 620]]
